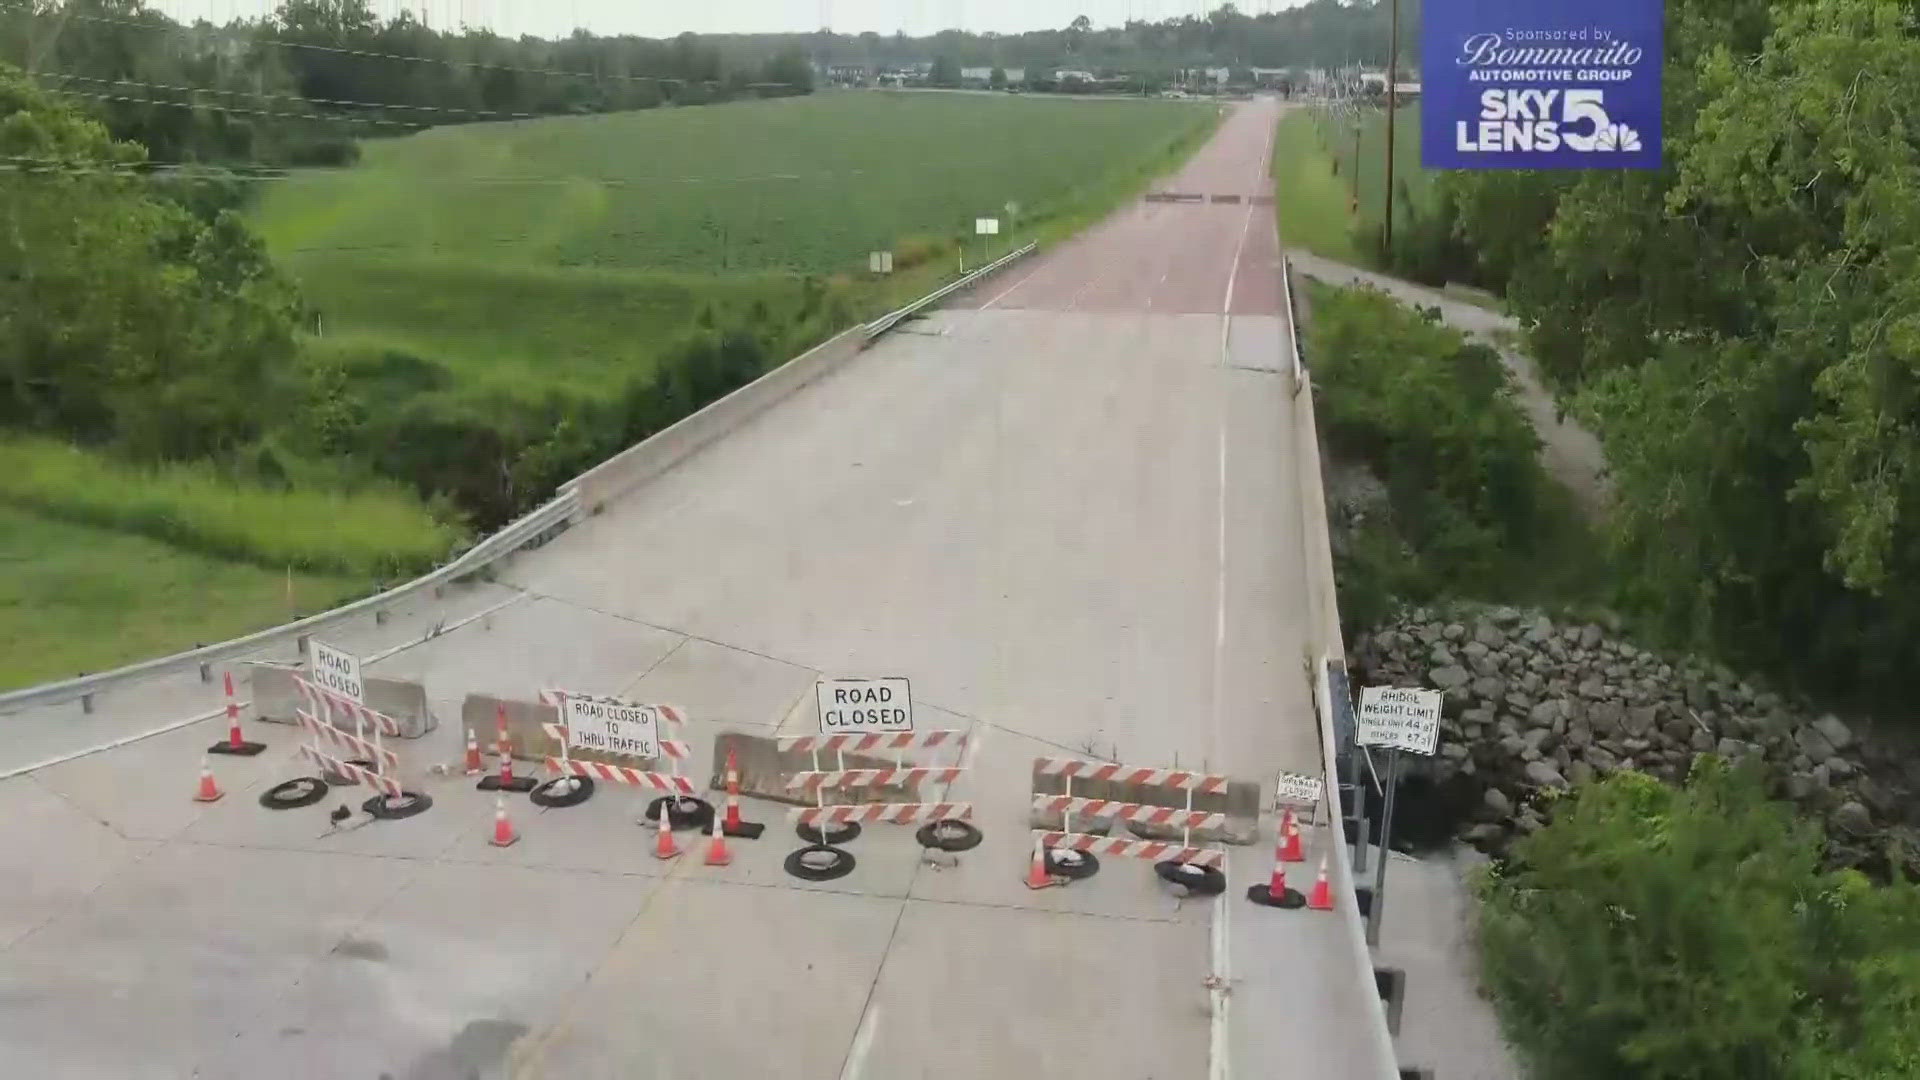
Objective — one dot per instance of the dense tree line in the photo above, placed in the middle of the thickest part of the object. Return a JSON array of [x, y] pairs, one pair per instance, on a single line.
[[299, 86], [1320, 33], [1743, 327]]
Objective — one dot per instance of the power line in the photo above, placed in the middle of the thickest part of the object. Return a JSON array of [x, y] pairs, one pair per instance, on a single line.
[[316, 117], [203, 170], [282, 97], [367, 54]]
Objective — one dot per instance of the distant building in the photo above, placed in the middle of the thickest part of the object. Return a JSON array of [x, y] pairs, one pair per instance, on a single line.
[[1069, 75], [850, 74], [984, 75]]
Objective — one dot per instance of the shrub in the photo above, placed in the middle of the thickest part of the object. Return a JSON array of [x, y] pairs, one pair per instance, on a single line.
[[1431, 416], [1651, 931]]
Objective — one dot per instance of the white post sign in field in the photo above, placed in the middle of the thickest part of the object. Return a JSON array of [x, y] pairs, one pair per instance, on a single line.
[[612, 727], [986, 226], [859, 706], [337, 670], [1400, 718], [1296, 789], [880, 262]]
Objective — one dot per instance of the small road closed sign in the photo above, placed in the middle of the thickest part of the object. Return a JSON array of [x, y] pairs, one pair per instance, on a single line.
[[1400, 718], [849, 706], [610, 726], [337, 670], [1297, 789]]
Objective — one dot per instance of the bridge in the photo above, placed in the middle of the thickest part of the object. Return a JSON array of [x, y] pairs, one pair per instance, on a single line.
[[1077, 504]]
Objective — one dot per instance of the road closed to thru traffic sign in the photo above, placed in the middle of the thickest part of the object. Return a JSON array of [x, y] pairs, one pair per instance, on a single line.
[[611, 726], [864, 705]]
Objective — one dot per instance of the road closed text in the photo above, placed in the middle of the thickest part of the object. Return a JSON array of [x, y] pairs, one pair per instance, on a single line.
[[864, 705]]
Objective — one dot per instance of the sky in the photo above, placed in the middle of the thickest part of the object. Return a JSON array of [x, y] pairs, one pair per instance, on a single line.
[[665, 18]]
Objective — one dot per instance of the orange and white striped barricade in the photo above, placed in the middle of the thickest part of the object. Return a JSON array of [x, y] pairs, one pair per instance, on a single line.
[[945, 825], [1075, 855], [356, 756], [612, 727]]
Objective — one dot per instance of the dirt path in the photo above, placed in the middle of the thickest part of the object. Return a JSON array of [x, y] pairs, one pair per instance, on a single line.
[[1570, 452]]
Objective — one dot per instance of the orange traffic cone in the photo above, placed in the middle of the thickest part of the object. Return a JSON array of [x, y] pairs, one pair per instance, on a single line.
[[235, 744], [1037, 877], [717, 853], [503, 832], [474, 765], [663, 845], [1321, 898], [732, 823], [209, 791], [1290, 840]]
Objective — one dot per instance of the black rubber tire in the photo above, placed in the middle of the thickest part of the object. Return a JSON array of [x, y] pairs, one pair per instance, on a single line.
[[1199, 880], [282, 796], [798, 866], [1287, 901], [687, 813], [544, 795], [948, 834], [245, 749], [336, 780], [1075, 866], [846, 833], [413, 802]]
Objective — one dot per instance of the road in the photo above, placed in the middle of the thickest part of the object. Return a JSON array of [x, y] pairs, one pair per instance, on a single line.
[[1064, 507]]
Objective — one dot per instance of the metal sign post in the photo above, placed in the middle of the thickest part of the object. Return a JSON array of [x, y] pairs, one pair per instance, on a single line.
[[1386, 830]]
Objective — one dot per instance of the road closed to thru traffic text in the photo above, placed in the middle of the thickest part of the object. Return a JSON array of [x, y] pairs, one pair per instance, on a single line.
[[611, 726], [849, 706]]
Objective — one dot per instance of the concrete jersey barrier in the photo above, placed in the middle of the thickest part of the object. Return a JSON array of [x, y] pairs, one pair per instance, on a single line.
[[271, 687]]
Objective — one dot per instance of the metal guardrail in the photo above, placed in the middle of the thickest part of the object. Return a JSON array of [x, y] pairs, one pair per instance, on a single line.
[[529, 529], [535, 527], [893, 318]]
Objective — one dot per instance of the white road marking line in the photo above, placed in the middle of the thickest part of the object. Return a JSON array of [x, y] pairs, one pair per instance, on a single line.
[[856, 1065], [1219, 1053]]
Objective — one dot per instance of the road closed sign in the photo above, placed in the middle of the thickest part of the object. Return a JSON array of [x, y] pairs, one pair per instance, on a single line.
[[610, 726], [337, 670], [1297, 789], [1400, 718], [853, 706]]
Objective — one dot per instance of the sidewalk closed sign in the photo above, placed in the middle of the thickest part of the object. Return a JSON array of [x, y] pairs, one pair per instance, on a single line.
[[855, 706], [337, 670], [1399, 718], [1296, 789], [612, 727]]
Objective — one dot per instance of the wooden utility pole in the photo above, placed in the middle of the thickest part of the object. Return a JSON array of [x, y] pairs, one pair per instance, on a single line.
[[1393, 102]]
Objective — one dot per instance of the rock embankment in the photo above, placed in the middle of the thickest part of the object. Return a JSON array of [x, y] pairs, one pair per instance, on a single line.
[[1531, 705]]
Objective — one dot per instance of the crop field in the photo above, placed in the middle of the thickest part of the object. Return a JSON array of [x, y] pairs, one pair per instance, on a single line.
[[798, 185], [561, 254]]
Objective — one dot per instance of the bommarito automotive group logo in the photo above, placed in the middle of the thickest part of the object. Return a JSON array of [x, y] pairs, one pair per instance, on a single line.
[[1519, 84]]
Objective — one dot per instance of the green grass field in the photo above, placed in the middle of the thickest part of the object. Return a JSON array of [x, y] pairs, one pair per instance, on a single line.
[[75, 598], [1322, 169], [559, 254]]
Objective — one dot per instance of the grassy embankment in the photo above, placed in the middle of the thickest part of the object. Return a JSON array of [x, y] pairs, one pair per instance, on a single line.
[[475, 279]]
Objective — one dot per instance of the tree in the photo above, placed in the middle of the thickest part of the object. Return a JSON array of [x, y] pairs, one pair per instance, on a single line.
[[127, 319], [946, 71], [997, 78], [1744, 326]]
